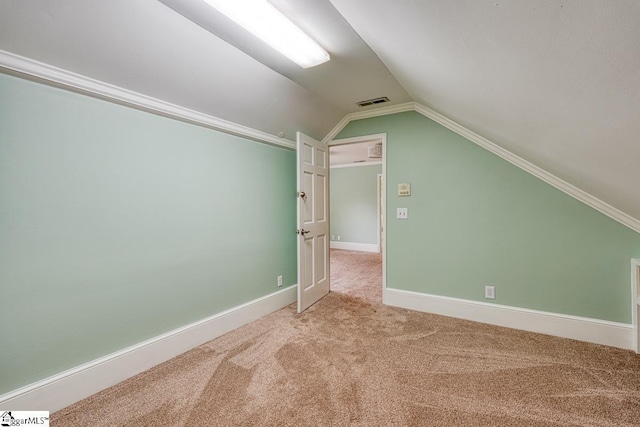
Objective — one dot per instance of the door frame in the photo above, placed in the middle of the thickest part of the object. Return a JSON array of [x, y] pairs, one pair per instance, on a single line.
[[635, 302], [379, 186], [374, 138]]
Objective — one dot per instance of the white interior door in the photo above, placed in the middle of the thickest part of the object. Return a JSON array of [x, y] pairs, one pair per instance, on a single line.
[[313, 221]]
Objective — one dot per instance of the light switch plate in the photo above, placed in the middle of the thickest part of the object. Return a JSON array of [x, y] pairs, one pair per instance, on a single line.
[[402, 213]]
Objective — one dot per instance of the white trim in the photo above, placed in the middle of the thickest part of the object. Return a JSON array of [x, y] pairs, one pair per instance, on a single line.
[[562, 325], [379, 199], [392, 109], [534, 170], [635, 302], [523, 164], [51, 74], [68, 387], [352, 246], [384, 209], [355, 165]]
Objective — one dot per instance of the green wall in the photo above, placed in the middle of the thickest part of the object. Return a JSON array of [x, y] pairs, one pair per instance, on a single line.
[[117, 225], [354, 203], [475, 220]]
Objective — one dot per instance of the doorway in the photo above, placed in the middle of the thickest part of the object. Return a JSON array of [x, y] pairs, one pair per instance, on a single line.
[[357, 216]]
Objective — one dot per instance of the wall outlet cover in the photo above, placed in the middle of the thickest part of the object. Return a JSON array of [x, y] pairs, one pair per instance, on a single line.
[[490, 292], [402, 213]]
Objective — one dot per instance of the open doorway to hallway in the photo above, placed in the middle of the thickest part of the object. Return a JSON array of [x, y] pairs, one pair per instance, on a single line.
[[357, 198]]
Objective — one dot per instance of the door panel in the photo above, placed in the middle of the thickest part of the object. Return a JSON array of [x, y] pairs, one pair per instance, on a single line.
[[308, 264], [321, 259], [321, 158], [321, 197], [307, 205], [313, 221]]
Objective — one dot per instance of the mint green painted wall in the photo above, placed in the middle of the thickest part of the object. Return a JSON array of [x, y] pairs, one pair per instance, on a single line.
[[117, 225], [354, 203], [475, 219]]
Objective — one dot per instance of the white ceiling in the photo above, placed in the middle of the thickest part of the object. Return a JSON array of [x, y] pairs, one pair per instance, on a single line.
[[340, 82], [146, 47], [556, 82]]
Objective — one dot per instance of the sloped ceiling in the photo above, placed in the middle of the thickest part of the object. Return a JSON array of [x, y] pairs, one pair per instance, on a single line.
[[353, 74], [555, 82], [146, 47]]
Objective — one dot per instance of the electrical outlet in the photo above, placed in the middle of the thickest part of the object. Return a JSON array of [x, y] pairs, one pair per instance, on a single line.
[[333, 237], [338, 237], [279, 281], [402, 213], [490, 292]]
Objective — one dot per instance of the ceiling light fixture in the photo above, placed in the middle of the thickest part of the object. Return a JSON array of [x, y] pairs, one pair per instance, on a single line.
[[267, 23]]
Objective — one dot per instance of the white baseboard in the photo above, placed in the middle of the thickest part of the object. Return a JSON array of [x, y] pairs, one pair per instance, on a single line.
[[61, 390], [562, 325], [350, 246]]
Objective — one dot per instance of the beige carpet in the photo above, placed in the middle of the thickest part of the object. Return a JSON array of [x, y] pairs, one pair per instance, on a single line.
[[347, 361], [358, 274]]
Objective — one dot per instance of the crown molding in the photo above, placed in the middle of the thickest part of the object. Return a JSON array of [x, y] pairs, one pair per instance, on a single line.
[[392, 109], [96, 88], [549, 178], [53, 75]]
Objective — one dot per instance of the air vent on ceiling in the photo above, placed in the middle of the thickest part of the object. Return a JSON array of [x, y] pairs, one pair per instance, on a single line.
[[373, 101], [375, 151]]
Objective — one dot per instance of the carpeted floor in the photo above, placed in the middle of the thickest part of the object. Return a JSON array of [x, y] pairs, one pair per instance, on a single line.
[[350, 361], [358, 274]]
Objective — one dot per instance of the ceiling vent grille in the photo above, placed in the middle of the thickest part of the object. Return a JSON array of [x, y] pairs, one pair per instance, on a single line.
[[373, 101], [375, 151]]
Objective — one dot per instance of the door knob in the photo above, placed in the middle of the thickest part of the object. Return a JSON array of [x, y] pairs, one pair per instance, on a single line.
[[302, 232], [303, 195]]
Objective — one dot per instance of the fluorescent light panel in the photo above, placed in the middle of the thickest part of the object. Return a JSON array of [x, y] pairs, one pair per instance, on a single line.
[[267, 23]]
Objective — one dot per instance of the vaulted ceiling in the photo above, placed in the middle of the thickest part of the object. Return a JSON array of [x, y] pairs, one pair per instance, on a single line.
[[555, 82]]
